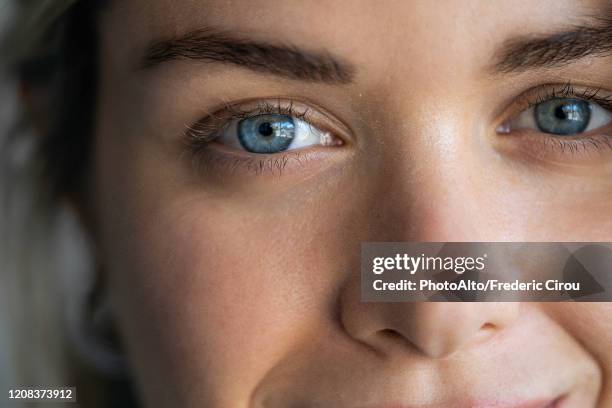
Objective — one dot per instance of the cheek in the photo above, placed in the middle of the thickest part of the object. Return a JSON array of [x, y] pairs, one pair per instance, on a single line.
[[218, 291], [212, 286], [591, 323], [207, 292]]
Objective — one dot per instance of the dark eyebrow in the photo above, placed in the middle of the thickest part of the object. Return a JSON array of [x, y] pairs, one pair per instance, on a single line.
[[278, 59], [556, 50]]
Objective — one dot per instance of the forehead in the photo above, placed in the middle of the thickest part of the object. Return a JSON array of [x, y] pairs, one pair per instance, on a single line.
[[388, 14], [360, 29]]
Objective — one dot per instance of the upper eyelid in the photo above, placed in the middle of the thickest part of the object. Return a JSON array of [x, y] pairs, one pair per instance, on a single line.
[[537, 94], [303, 110], [568, 90], [203, 131]]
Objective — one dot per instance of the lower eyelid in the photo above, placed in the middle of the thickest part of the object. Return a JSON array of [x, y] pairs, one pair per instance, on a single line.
[[565, 151], [226, 162]]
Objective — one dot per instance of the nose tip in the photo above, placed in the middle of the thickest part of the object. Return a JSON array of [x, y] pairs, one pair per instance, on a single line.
[[438, 330], [433, 329]]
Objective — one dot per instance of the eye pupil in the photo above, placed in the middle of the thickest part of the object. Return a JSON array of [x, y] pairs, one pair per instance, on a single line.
[[560, 113], [266, 129], [563, 116]]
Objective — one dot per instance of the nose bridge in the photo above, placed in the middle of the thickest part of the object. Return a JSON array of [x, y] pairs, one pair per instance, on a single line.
[[432, 193], [442, 209]]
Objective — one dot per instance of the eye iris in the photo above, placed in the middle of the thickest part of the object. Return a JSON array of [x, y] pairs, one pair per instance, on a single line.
[[563, 116], [266, 133]]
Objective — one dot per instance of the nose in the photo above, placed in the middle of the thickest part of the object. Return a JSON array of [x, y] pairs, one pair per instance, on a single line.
[[442, 195], [433, 329]]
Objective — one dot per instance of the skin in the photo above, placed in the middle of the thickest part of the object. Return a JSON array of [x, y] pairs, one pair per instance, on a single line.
[[238, 288]]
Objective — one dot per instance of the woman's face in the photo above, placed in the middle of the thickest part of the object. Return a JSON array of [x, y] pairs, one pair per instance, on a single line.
[[245, 149]]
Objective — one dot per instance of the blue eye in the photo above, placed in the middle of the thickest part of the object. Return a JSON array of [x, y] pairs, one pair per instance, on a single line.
[[562, 116], [266, 133], [272, 133]]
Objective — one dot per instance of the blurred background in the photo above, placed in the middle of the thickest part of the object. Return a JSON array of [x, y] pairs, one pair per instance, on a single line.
[[7, 120]]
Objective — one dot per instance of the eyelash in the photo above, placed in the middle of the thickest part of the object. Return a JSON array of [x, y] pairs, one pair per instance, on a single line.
[[569, 91], [203, 131], [551, 144], [200, 134]]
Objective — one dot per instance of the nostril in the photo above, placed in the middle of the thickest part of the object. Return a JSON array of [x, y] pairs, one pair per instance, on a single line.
[[487, 326], [393, 336], [389, 333], [486, 331]]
